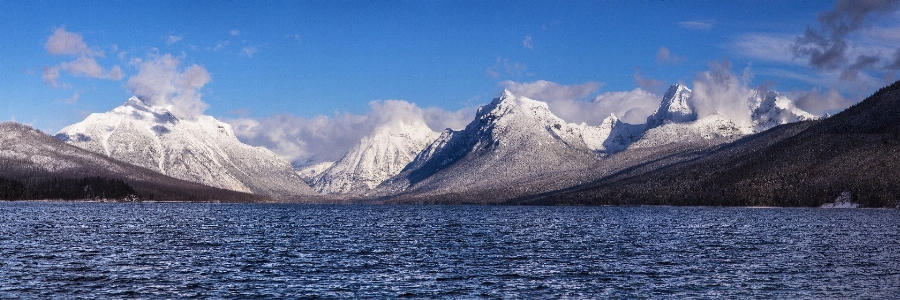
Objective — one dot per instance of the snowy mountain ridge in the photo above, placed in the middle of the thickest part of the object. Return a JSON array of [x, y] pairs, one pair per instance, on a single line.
[[203, 150], [675, 121]]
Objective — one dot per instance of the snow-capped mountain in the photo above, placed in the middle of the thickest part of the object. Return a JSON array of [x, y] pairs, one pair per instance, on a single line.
[[31, 156], [510, 138], [203, 150], [376, 158]]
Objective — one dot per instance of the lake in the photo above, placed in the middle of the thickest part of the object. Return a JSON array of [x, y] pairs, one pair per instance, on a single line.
[[186, 250]]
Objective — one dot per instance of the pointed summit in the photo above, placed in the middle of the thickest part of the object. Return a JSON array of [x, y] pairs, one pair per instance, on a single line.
[[673, 108]]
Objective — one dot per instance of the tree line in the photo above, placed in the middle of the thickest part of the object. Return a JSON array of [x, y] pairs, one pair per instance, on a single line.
[[93, 188]]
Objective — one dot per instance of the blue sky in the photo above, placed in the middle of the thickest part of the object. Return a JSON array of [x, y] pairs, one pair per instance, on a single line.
[[292, 62]]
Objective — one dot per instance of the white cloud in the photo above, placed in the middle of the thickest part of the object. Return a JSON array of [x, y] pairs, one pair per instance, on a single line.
[[549, 91], [527, 42], [327, 138], [173, 39], [234, 32], [88, 67], [249, 51], [718, 90], [161, 81], [62, 42], [818, 102], [696, 25], [564, 101], [767, 47], [221, 46], [667, 57]]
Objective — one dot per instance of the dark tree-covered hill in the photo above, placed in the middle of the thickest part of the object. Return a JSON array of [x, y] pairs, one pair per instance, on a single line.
[[798, 164]]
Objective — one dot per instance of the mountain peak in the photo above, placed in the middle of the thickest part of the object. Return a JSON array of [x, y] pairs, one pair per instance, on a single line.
[[203, 150], [674, 107]]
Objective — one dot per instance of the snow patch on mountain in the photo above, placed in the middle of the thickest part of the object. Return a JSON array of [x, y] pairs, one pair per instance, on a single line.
[[202, 150]]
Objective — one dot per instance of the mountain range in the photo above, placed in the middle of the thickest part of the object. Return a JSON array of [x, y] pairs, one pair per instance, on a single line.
[[516, 151]]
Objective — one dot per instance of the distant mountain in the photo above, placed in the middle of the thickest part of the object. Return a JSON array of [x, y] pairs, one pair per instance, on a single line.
[[375, 158], [510, 138], [852, 155], [202, 150], [30, 158]]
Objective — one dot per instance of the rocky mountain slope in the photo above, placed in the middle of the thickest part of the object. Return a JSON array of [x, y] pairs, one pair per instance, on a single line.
[[31, 158], [854, 154], [204, 150], [510, 138]]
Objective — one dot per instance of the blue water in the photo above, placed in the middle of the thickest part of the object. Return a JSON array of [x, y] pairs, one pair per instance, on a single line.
[[181, 250]]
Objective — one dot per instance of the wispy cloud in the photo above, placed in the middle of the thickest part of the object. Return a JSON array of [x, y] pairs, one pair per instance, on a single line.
[[234, 32], [767, 47], [664, 56], [696, 25], [504, 67], [173, 39], [249, 51], [527, 42], [73, 99], [221, 45]]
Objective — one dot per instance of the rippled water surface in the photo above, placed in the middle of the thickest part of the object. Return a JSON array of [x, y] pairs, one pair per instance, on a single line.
[[180, 250]]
